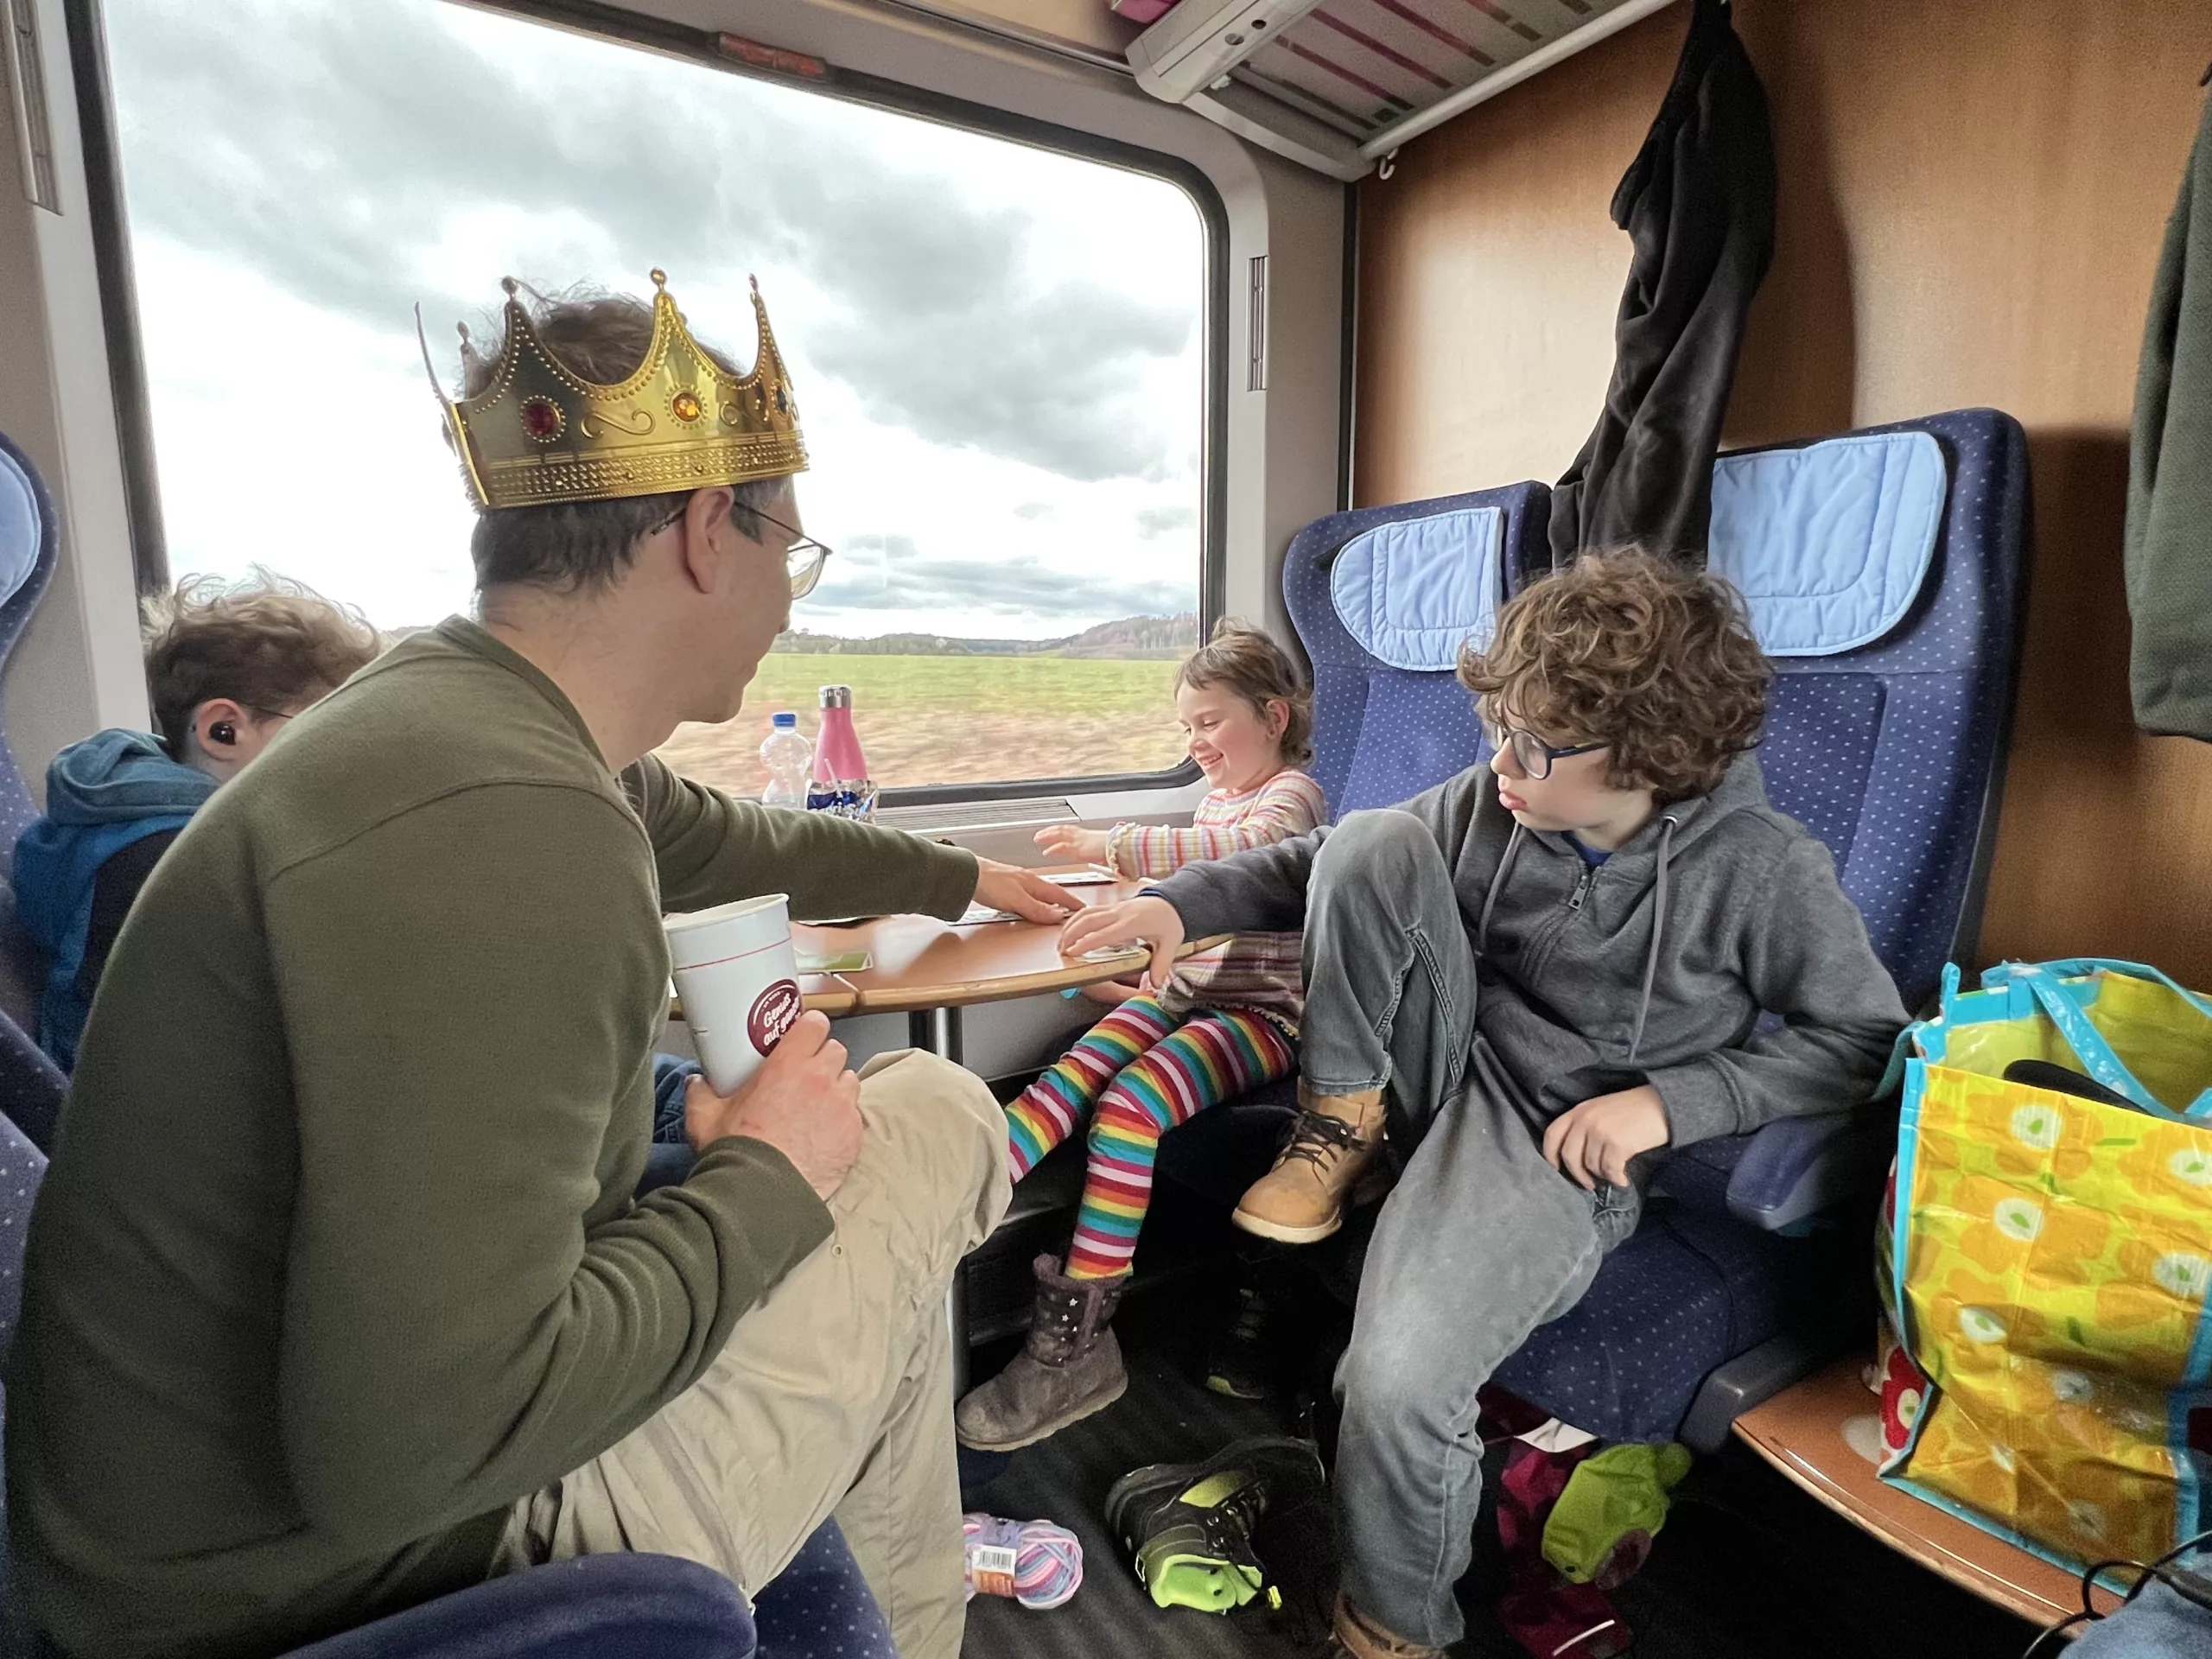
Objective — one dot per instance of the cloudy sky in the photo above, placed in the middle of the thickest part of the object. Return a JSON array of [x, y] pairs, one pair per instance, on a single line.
[[997, 350]]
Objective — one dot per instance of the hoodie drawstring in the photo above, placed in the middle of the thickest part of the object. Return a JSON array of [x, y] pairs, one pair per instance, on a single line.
[[1497, 885], [1658, 927]]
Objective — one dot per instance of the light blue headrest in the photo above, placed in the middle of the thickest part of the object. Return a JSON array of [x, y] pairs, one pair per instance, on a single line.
[[1410, 593], [20, 528], [1831, 542]]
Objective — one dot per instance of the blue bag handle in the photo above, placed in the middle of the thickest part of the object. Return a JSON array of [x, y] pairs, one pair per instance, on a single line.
[[2041, 980], [2080, 967]]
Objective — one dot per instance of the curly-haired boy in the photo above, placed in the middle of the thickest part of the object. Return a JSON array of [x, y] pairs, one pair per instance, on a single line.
[[1535, 974], [228, 664]]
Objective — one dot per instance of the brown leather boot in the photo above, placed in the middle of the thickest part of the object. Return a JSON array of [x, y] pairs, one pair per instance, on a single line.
[[1363, 1638], [1070, 1367], [1301, 1199]]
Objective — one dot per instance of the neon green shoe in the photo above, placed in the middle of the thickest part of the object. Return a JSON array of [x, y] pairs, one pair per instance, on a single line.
[[1188, 1526]]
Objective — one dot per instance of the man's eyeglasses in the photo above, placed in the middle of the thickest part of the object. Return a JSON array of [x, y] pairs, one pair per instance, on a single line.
[[1535, 755], [804, 557]]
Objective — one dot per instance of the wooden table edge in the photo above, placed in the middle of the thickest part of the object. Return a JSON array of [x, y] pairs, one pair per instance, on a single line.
[[1918, 1548], [837, 996], [1070, 975]]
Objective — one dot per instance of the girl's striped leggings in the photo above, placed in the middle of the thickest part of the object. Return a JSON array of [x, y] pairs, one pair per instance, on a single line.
[[1143, 1071]]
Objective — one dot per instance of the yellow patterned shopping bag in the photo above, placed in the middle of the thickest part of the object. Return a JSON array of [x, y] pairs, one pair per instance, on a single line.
[[2048, 1257]]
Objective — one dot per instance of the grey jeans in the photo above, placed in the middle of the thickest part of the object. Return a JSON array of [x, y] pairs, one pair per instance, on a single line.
[[1480, 1242]]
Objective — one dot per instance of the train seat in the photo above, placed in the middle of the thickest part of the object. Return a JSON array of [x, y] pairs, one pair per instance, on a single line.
[[1886, 571], [30, 545]]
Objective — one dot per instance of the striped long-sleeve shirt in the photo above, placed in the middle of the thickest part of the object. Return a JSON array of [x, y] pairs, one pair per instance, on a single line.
[[1251, 970]]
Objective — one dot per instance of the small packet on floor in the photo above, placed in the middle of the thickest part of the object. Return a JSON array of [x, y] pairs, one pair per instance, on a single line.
[[1033, 1562]]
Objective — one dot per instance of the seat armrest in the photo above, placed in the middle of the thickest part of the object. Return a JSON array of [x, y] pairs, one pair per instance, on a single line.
[[1795, 1167], [594, 1607]]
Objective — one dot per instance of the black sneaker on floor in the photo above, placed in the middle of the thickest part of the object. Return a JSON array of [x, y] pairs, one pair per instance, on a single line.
[[1188, 1527], [1238, 1365]]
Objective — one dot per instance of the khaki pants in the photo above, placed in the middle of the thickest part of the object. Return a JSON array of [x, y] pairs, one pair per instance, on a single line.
[[834, 1395]]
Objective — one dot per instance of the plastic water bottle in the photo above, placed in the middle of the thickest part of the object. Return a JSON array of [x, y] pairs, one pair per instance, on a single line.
[[786, 755]]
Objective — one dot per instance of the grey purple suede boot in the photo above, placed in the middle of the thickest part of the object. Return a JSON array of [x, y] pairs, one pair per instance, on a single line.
[[1070, 1367]]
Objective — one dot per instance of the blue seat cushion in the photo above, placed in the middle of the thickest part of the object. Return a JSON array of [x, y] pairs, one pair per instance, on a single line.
[[1413, 591], [29, 549], [594, 1607], [1817, 751], [23, 526], [1686, 1292], [819, 1607], [1829, 542], [1383, 732]]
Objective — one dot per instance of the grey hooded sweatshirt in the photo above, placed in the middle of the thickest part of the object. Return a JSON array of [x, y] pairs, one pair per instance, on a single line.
[[1654, 966]]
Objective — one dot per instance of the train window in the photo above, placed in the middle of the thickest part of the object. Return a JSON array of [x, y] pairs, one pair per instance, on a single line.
[[1000, 347]]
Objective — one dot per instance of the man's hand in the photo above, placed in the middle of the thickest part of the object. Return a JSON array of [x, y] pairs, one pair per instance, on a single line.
[[1153, 920], [1027, 894], [1593, 1142], [1072, 841], [802, 1101]]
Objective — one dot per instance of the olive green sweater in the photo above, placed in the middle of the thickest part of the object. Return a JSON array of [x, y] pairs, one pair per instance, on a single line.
[[337, 1257], [2167, 548]]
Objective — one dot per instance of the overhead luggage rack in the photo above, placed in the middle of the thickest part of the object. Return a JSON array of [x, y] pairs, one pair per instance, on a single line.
[[1337, 85]]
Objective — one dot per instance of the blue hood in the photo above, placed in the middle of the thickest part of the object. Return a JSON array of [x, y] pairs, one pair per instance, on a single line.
[[101, 795], [116, 776]]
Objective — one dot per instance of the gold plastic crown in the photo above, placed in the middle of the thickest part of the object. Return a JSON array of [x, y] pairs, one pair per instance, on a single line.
[[540, 433]]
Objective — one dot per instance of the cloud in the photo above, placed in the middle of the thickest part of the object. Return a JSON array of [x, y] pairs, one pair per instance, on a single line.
[[1152, 523], [889, 573], [363, 157], [1034, 510]]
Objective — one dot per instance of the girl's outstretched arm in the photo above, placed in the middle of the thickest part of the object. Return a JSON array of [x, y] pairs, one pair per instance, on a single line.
[[1289, 804]]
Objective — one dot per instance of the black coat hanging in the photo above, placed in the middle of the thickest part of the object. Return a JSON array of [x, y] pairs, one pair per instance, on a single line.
[[1698, 204]]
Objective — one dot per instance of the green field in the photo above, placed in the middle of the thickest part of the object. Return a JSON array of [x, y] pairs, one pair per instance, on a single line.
[[948, 720]]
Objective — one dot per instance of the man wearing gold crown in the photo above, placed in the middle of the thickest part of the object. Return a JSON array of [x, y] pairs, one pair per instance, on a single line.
[[337, 1295]]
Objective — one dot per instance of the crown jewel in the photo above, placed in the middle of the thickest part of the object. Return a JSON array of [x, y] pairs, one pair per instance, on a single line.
[[540, 433]]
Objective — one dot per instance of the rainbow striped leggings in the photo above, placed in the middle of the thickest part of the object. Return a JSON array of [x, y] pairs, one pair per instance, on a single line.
[[1145, 1070]]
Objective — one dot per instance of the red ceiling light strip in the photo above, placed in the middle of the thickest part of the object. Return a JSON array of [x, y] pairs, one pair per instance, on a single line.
[[1292, 93], [1409, 65], [1492, 10], [1437, 32], [1343, 74]]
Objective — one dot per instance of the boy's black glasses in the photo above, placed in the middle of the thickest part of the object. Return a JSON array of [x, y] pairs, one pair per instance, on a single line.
[[1535, 755]]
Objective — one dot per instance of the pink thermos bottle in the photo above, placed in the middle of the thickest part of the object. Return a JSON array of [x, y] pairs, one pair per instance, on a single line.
[[837, 758]]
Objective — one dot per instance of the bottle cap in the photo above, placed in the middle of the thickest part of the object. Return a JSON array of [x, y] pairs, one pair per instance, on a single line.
[[837, 696], [784, 721]]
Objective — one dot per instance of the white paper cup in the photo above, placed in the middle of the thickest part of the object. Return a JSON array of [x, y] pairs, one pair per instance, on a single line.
[[735, 969]]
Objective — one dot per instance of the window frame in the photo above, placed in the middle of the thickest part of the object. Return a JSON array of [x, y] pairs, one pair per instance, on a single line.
[[126, 355]]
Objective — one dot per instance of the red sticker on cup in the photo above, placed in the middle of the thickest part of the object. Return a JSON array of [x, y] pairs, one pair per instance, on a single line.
[[774, 1012]]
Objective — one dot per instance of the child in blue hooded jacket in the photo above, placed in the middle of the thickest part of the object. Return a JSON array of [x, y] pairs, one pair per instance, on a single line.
[[227, 664]]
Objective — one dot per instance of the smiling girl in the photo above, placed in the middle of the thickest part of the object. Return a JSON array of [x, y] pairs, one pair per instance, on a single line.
[[1225, 1021]]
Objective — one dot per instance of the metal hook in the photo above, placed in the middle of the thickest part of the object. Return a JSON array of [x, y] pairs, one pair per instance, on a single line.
[[1389, 165]]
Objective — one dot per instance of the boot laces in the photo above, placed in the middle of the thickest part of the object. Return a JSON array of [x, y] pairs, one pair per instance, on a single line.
[[1320, 1140]]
